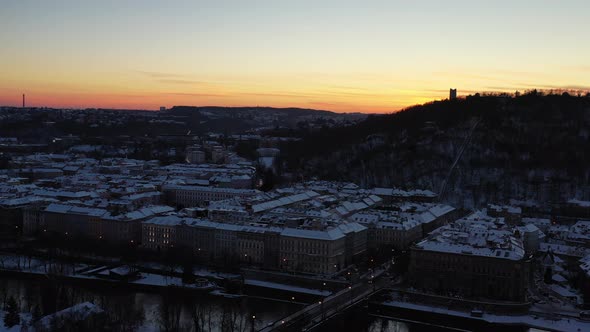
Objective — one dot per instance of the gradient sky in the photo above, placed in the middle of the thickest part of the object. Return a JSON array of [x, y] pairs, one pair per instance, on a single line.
[[366, 56]]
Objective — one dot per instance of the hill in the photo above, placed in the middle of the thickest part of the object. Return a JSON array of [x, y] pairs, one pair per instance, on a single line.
[[533, 146], [239, 119], [37, 125]]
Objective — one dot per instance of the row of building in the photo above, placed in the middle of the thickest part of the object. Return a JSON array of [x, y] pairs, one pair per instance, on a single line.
[[324, 251], [311, 228]]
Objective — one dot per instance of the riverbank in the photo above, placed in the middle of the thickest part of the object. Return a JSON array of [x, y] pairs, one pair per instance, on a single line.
[[152, 277], [141, 309], [465, 320]]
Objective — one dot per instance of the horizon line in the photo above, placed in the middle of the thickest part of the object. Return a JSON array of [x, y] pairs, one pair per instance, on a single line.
[[542, 91]]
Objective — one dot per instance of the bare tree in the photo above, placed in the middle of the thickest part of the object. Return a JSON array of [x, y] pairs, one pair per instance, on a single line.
[[201, 316], [122, 314], [233, 318], [169, 310]]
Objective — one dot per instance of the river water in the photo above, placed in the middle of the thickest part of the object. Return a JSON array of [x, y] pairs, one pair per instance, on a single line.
[[143, 311], [148, 311]]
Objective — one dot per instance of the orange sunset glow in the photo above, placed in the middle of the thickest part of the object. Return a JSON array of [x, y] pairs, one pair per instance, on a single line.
[[340, 56]]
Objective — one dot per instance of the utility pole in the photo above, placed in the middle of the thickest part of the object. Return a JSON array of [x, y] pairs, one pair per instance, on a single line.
[[23, 100]]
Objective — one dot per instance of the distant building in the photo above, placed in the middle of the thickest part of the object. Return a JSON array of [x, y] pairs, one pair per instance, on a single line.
[[194, 155], [162, 108], [511, 214], [267, 158], [98, 223], [584, 278], [475, 257], [453, 94], [323, 251], [399, 230], [189, 196], [531, 238], [390, 195], [218, 154]]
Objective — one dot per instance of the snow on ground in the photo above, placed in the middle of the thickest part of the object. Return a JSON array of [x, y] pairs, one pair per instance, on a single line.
[[199, 271], [160, 280], [218, 292], [564, 324], [34, 265], [202, 272], [290, 288], [78, 312], [16, 328]]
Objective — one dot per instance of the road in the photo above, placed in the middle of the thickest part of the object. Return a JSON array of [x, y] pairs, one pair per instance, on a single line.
[[314, 314]]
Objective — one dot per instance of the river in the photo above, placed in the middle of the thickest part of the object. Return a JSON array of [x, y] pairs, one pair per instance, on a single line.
[[148, 311], [133, 310]]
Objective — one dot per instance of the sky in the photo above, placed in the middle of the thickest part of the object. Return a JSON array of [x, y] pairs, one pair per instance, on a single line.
[[345, 56]]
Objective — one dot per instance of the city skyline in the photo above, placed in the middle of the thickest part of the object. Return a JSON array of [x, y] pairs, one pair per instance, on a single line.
[[340, 56]]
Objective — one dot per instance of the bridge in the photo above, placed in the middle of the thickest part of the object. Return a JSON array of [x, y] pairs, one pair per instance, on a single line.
[[313, 315]]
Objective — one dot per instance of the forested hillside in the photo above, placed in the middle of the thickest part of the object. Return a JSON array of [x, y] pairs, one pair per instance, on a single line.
[[532, 146]]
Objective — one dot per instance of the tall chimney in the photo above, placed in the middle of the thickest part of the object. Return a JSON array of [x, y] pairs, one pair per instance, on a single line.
[[23, 100]]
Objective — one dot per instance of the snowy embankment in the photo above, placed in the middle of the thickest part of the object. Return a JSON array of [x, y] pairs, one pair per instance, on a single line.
[[15, 263], [289, 288], [557, 324], [24, 317], [76, 313]]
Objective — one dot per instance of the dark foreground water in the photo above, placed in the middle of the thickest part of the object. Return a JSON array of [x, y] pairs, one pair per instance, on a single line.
[[147, 311], [131, 310], [358, 319]]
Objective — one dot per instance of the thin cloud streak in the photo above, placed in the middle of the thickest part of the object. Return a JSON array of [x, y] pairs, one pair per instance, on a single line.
[[274, 94], [154, 74], [182, 82], [190, 94], [556, 87]]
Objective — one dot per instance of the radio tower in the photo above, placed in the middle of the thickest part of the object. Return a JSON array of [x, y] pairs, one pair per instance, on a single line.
[[23, 100]]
